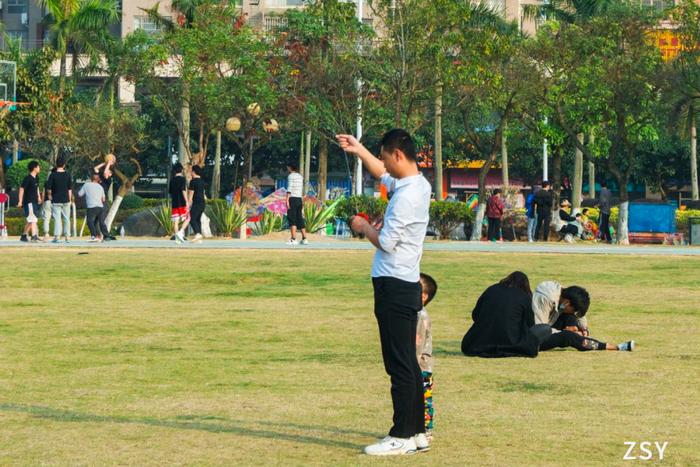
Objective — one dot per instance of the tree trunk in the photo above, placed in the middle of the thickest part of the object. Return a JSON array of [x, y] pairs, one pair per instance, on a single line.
[[322, 168], [183, 150], [504, 161], [216, 175], [556, 175], [478, 226], [591, 169], [62, 75], [438, 143], [302, 168], [307, 162], [694, 158], [124, 189], [577, 195], [15, 151], [481, 210], [623, 213]]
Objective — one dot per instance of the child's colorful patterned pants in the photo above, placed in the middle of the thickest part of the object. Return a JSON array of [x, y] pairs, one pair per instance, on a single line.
[[428, 397]]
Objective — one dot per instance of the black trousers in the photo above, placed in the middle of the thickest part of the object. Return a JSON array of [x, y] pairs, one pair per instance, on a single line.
[[543, 220], [103, 219], [295, 215], [569, 230], [396, 307], [550, 340], [605, 227], [196, 218], [95, 222], [494, 232]]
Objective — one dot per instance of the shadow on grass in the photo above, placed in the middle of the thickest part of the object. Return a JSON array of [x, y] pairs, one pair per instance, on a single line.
[[202, 423]]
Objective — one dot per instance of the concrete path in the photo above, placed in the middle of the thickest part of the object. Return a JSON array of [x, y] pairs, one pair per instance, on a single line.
[[483, 247]]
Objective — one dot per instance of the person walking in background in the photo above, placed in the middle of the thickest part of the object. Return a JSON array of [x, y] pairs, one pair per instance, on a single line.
[[59, 191], [94, 194], [106, 172], [295, 203], [178, 202], [494, 212], [197, 201], [29, 200], [531, 214], [46, 210], [543, 208], [604, 202]]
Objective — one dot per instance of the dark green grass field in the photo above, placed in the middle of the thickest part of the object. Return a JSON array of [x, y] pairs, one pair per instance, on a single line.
[[166, 357]]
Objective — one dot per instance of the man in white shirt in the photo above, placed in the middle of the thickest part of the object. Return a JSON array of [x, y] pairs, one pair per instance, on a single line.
[[395, 277], [295, 204]]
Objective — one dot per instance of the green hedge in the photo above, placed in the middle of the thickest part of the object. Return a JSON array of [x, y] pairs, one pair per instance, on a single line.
[[445, 216], [16, 173], [373, 207]]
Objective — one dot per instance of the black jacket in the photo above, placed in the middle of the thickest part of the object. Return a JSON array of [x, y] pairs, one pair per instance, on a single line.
[[502, 320], [544, 200]]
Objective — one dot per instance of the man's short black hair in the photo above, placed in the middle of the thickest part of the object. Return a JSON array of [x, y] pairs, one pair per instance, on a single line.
[[399, 139], [177, 168], [579, 299], [545, 184], [497, 191], [32, 165], [197, 169], [429, 286], [293, 166], [61, 161]]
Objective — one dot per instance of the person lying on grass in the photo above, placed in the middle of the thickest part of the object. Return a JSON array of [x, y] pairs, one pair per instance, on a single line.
[[560, 319]]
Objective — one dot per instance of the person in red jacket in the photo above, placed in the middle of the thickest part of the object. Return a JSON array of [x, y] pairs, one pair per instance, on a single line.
[[494, 211]]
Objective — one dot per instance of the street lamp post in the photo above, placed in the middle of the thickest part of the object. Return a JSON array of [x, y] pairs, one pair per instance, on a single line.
[[358, 166]]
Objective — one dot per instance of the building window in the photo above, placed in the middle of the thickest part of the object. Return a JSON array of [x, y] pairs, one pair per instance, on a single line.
[[17, 6], [22, 36], [283, 3], [146, 24], [658, 4]]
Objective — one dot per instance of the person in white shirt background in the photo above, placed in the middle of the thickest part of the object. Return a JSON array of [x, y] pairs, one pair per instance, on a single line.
[[295, 204], [395, 277]]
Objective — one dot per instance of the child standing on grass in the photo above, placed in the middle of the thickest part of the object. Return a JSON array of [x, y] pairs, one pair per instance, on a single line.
[[424, 352]]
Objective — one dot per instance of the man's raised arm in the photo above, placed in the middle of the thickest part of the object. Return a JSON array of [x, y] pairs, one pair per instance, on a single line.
[[350, 144]]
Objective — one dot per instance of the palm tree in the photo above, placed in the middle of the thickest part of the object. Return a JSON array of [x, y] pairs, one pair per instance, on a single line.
[[685, 105], [81, 25]]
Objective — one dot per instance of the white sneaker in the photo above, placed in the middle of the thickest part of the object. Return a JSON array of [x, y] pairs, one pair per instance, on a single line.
[[422, 442], [304, 241], [197, 239], [292, 241], [179, 236], [391, 446]]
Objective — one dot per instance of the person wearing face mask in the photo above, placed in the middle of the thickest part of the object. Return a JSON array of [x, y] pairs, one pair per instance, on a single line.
[[559, 316]]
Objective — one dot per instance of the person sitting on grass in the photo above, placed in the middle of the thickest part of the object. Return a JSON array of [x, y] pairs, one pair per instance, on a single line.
[[424, 352], [502, 321], [560, 319], [566, 223]]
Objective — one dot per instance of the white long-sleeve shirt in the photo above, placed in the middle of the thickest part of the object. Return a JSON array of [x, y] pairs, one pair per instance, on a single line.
[[405, 223]]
